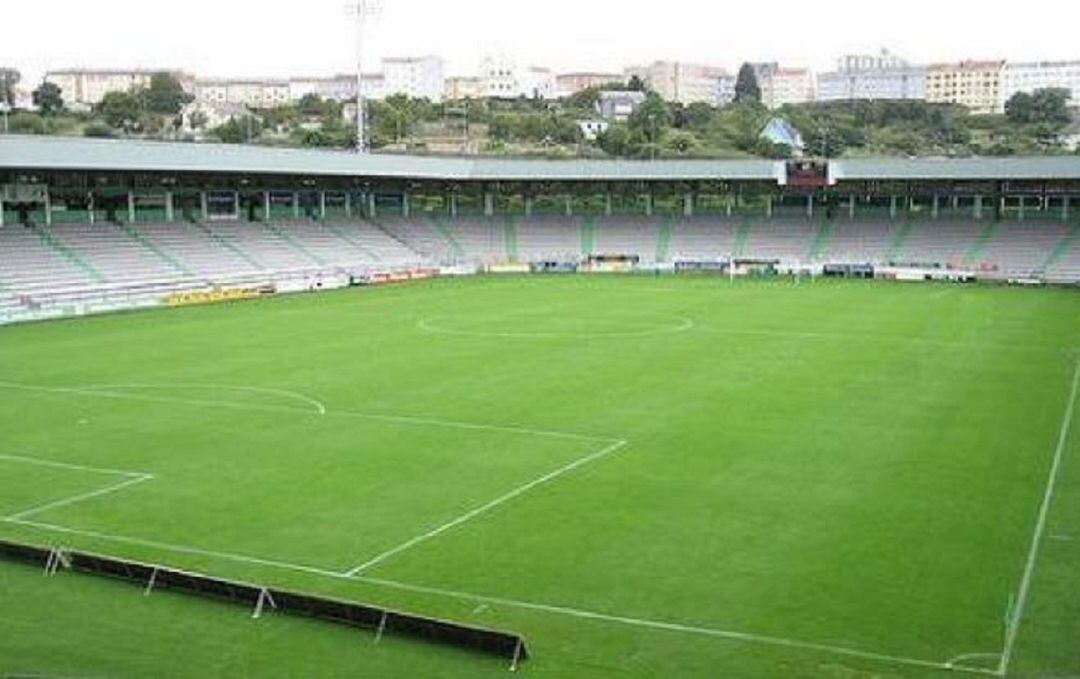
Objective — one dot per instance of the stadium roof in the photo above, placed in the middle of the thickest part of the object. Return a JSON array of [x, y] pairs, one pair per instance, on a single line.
[[1040, 167], [74, 153], [81, 154]]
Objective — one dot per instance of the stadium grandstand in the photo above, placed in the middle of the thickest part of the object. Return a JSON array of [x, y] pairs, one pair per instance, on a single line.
[[91, 225]]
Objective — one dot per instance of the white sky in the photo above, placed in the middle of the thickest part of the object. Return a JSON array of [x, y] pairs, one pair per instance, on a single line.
[[315, 37]]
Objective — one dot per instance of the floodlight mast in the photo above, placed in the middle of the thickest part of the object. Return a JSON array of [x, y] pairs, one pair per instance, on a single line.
[[361, 10]]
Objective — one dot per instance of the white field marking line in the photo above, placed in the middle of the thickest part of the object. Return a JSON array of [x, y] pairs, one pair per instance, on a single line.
[[320, 408], [179, 549], [473, 513], [677, 627], [1062, 538], [685, 325], [407, 419], [65, 465], [489, 600], [970, 656], [1040, 526], [80, 498]]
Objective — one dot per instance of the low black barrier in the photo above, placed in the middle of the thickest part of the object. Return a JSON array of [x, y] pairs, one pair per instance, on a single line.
[[381, 620]]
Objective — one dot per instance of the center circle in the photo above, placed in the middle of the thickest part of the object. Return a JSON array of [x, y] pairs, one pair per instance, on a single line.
[[530, 325]]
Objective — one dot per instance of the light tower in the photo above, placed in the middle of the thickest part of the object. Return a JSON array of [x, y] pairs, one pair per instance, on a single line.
[[361, 11]]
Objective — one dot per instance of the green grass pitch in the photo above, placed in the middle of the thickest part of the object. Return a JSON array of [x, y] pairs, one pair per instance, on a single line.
[[644, 476]]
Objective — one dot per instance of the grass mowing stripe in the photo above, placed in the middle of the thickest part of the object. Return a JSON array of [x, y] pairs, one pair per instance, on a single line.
[[1040, 527]]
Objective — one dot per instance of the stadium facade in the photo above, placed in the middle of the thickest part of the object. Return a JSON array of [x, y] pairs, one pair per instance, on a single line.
[[96, 224]]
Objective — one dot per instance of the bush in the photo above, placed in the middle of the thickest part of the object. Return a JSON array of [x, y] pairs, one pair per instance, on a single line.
[[98, 130]]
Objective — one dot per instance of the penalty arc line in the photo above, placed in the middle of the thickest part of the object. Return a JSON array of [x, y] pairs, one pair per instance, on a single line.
[[473, 513], [545, 608], [1013, 629]]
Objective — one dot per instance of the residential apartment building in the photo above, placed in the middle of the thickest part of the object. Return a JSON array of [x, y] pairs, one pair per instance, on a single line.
[[338, 87], [974, 84], [417, 77], [680, 82], [567, 84], [781, 86], [250, 93], [1038, 75], [462, 87], [83, 88], [872, 77], [725, 89], [501, 78]]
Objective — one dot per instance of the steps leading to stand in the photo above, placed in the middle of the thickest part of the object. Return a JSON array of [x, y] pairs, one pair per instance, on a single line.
[[900, 241], [444, 231], [822, 241], [1061, 250], [52, 243], [664, 239], [588, 237], [228, 246], [978, 251], [511, 236], [137, 236], [293, 244]]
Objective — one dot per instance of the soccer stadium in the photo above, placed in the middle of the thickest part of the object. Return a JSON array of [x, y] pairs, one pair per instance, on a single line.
[[281, 412]]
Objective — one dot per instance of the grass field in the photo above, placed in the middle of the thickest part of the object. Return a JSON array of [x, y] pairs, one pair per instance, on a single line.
[[643, 476]]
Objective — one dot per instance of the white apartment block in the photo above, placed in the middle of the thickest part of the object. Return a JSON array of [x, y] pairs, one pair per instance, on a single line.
[[680, 82], [781, 86], [567, 84], [417, 77], [250, 93], [501, 78], [872, 77], [338, 88], [1031, 76], [83, 88]]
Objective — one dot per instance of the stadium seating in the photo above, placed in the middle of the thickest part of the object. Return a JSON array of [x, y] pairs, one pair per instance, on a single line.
[[46, 269]]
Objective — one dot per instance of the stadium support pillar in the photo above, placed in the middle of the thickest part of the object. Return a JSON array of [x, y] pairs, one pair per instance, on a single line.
[[1021, 207], [1064, 209], [131, 207], [296, 205], [48, 209], [851, 207], [649, 204], [810, 206], [89, 209], [892, 207], [489, 204], [348, 204], [236, 205], [322, 205], [371, 204], [2, 214], [528, 205], [405, 204], [688, 205], [266, 206], [731, 205], [569, 206], [955, 203], [977, 211], [451, 202], [607, 204], [204, 207], [936, 209], [170, 211]]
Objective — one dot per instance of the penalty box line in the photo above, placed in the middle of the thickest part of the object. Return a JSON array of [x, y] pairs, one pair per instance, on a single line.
[[485, 508], [679, 628], [131, 479]]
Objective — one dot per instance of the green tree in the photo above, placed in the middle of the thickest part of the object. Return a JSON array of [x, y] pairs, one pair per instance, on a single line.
[[652, 119], [236, 131], [636, 84], [616, 140], [747, 89], [9, 78], [165, 95], [1045, 106], [121, 110], [49, 99]]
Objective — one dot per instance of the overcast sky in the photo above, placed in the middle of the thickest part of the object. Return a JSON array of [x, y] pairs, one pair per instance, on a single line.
[[316, 37]]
